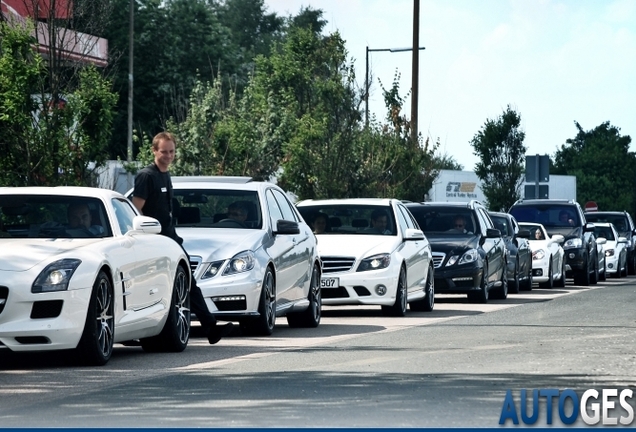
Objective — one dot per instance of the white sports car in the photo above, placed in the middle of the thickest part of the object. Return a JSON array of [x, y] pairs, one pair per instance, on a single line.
[[373, 253], [614, 249], [80, 269], [548, 262]]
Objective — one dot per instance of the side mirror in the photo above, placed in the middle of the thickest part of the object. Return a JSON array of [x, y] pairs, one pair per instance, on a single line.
[[146, 224], [493, 233], [601, 241], [524, 233], [413, 234], [286, 227], [589, 227], [558, 238], [622, 239]]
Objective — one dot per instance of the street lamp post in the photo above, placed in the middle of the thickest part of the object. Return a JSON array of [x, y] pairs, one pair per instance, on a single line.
[[366, 79]]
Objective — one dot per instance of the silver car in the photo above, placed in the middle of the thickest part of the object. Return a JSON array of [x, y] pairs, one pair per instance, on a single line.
[[251, 253]]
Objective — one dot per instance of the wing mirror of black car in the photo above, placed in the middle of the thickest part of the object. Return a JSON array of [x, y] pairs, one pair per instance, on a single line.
[[287, 227], [524, 233], [493, 233]]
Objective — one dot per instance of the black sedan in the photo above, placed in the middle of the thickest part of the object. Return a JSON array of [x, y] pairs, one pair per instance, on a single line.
[[519, 254]]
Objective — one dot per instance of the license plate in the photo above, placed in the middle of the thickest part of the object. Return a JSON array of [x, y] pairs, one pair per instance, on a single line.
[[329, 283]]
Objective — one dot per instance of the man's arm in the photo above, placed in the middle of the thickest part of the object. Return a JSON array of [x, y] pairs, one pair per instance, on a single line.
[[139, 203]]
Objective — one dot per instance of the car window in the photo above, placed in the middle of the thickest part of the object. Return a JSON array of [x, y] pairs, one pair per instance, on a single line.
[[124, 214], [549, 215], [502, 224], [217, 208], [353, 218], [52, 216], [275, 214], [285, 207], [440, 219], [410, 222], [401, 220]]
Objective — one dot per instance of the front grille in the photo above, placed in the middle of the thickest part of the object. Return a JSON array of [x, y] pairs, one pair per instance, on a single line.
[[438, 259], [46, 309], [4, 295], [337, 264], [195, 262]]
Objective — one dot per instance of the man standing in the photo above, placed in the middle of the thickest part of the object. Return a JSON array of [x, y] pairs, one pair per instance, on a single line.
[[153, 197]]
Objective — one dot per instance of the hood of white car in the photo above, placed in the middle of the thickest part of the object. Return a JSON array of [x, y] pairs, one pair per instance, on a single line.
[[355, 245], [213, 244], [22, 254]]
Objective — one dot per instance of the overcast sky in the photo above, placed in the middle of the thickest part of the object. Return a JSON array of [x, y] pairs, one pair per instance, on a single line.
[[553, 61]]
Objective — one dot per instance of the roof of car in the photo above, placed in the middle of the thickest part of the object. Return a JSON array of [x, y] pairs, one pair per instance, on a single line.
[[356, 201], [211, 179], [544, 201], [80, 191], [617, 213], [218, 182], [467, 204]]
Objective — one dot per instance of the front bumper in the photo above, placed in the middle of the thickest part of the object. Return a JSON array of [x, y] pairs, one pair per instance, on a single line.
[[234, 296], [360, 288], [42, 321], [541, 269], [458, 279], [576, 260]]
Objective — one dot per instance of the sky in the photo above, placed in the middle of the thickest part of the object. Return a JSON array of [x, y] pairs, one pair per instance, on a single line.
[[553, 61]]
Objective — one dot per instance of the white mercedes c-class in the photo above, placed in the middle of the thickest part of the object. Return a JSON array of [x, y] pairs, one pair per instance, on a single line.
[[373, 253], [80, 269]]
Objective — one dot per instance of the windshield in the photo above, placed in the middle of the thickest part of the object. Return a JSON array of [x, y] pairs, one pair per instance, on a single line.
[[548, 215], [52, 216], [349, 219], [619, 221], [217, 208], [604, 231], [453, 221]]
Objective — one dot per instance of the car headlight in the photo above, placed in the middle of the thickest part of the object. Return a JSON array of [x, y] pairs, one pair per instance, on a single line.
[[468, 257], [538, 255], [212, 270], [240, 263], [55, 276], [609, 252], [573, 243], [375, 262]]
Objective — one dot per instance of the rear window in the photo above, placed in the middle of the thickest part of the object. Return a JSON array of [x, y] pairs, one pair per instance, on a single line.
[[549, 215]]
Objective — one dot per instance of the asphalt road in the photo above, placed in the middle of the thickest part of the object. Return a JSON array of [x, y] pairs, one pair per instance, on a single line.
[[448, 368]]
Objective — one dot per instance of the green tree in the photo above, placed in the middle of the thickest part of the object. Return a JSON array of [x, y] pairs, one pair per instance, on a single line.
[[604, 167], [49, 139], [499, 146]]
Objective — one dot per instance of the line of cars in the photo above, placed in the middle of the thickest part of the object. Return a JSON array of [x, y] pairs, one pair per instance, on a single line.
[[256, 258]]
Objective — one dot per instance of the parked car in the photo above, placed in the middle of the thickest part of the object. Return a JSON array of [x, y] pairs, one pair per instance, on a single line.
[[373, 253], [565, 217], [548, 257], [518, 253], [468, 251], [625, 227], [86, 285], [252, 254], [614, 248]]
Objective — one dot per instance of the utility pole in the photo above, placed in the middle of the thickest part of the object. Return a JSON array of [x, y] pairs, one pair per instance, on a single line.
[[415, 69]]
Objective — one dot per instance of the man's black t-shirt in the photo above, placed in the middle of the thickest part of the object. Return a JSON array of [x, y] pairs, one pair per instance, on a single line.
[[155, 187]]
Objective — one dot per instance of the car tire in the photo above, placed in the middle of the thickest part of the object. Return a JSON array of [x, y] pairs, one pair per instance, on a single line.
[[550, 282], [176, 331], [310, 317], [560, 283], [264, 324], [398, 309], [515, 285], [96, 344], [631, 264], [527, 284], [428, 302], [480, 296], [603, 276], [582, 277], [594, 277]]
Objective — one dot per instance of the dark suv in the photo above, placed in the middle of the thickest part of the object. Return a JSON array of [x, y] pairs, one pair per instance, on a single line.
[[625, 227], [468, 251], [565, 217]]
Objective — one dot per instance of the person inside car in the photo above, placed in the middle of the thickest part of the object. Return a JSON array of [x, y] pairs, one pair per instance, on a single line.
[[319, 224], [379, 222], [459, 225], [79, 218], [566, 218], [538, 235]]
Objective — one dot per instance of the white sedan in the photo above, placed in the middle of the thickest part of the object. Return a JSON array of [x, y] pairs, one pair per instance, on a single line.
[[548, 263], [80, 269], [614, 248], [373, 253]]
